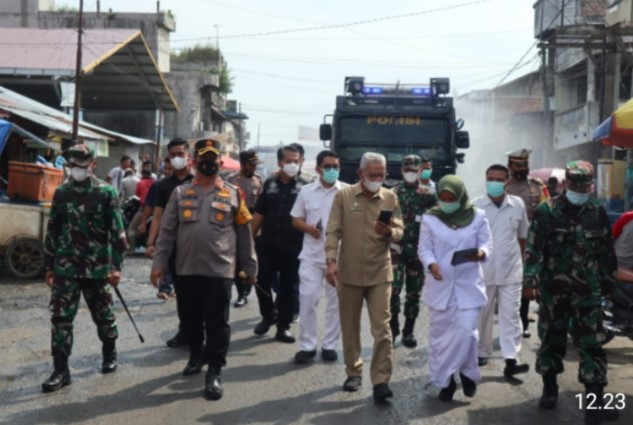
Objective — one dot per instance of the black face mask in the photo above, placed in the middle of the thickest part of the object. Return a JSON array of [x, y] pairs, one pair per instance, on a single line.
[[520, 174], [207, 167]]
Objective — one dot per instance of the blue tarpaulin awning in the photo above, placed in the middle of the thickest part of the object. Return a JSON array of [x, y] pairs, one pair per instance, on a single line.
[[6, 127]]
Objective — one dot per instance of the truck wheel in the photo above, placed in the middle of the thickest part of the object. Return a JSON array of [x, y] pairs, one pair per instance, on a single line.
[[24, 258]]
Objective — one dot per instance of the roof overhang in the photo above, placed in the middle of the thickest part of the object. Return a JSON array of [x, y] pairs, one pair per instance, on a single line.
[[118, 69]]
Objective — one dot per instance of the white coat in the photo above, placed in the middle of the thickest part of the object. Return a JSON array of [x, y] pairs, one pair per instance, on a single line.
[[437, 244]]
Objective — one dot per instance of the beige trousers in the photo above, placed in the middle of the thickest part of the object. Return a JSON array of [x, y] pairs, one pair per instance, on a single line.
[[350, 300]]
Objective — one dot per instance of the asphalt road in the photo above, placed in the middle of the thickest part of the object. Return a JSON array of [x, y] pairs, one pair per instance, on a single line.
[[262, 384]]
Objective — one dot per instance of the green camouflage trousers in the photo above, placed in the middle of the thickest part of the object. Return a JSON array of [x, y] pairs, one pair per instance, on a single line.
[[65, 303], [407, 272], [581, 317]]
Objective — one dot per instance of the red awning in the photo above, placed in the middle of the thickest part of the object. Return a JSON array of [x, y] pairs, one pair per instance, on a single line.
[[229, 163]]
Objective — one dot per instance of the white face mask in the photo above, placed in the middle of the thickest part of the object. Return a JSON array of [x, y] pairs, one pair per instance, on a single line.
[[372, 186], [410, 177], [291, 169], [178, 162], [79, 174]]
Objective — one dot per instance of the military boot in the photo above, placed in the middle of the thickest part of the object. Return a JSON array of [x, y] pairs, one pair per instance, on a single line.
[[109, 364], [60, 377], [395, 328], [595, 413], [550, 393], [408, 340], [212, 383]]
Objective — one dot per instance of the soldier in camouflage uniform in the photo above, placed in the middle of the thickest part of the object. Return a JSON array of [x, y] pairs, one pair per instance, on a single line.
[[570, 262], [84, 249], [415, 198], [250, 183], [533, 192]]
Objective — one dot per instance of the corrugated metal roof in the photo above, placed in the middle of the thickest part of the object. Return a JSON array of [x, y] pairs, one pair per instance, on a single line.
[[119, 70], [58, 121]]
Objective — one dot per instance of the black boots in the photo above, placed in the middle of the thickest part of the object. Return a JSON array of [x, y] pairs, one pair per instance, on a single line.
[[109, 364], [595, 412], [60, 377], [408, 340], [212, 384], [446, 393], [550, 393]]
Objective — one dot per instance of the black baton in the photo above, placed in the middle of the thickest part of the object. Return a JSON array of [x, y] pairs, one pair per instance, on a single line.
[[116, 289]]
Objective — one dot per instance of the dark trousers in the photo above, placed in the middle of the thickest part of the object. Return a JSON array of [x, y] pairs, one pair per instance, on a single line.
[[272, 261], [523, 312], [243, 289], [205, 302]]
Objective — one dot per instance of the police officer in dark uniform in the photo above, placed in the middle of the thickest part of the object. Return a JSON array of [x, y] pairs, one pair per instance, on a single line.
[[250, 183], [210, 225], [279, 246]]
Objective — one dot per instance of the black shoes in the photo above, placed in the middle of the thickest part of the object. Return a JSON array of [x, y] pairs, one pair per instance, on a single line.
[[177, 341], [329, 355], [382, 392], [352, 383], [512, 368], [526, 334], [264, 326], [284, 335], [60, 377], [109, 364], [194, 364], [240, 302], [212, 384], [446, 394], [468, 385], [409, 341], [304, 357], [482, 361], [550, 393]]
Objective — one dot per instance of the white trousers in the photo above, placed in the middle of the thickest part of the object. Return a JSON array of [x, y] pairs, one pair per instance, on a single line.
[[508, 298], [312, 282], [453, 341]]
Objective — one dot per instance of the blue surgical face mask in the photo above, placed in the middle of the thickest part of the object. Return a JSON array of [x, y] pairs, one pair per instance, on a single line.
[[495, 189], [426, 174], [577, 198], [330, 175], [449, 207]]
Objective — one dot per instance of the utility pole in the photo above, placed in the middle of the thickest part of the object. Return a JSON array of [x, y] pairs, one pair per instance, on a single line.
[[258, 131], [77, 104], [217, 42]]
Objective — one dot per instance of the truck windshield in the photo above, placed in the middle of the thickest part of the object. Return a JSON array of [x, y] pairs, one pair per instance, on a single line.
[[393, 130], [353, 152]]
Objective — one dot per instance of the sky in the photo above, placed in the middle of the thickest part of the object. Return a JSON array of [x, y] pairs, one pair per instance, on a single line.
[[291, 79]]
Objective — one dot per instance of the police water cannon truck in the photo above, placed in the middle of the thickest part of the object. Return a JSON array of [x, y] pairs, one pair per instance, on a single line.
[[396, 121]]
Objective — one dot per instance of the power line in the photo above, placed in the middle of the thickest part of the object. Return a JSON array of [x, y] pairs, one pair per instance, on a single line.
[[532, 46]]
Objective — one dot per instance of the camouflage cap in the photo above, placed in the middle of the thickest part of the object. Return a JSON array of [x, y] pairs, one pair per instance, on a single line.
[[412, 161], [579, 175], [80, 155]]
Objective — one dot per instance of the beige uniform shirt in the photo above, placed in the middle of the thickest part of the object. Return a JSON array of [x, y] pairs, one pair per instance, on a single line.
[[251, 187], [211, 228], [531, 191], [364, 258]]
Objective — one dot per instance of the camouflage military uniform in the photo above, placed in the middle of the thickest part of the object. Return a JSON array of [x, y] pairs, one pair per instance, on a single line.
[[570, 260], [407, 269], [84, 242]]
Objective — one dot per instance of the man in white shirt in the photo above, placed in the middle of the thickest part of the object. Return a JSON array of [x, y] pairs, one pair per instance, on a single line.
[[310, 215], [115, 176], [503, 272]]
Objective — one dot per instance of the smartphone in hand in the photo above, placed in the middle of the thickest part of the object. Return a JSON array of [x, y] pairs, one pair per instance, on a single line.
[[385, 217]]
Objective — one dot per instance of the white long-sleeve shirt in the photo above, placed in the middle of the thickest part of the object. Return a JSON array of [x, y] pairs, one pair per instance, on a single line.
[[508, 224], [438, 243]]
